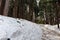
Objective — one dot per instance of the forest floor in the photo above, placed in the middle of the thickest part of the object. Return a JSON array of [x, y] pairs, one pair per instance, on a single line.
[[50, 32]]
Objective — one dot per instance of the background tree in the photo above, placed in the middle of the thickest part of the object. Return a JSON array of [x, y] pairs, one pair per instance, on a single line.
[[2, 5]]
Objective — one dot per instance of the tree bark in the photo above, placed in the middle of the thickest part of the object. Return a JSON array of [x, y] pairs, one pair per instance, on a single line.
[[2, 5], [15, 8], [6, 8]]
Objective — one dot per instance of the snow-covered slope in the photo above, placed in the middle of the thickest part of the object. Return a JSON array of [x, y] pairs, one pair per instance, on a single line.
[[50, 32], [16, 29]]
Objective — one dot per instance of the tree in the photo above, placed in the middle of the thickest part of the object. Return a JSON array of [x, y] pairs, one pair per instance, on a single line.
[[2, 5], [11, 6], [6, 8], [36, 8], [15, 8]]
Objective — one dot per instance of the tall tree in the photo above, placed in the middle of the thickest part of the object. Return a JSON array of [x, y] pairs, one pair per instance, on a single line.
[[15, 8], [11, 5], [6, 8], [2, 5]]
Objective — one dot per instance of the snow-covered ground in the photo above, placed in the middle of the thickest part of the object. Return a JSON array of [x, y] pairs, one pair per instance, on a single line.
[[50, 32], [16, 29], [20, 29]]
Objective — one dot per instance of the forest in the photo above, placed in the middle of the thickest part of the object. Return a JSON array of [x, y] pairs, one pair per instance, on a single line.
[[29, 19], [38, 11]]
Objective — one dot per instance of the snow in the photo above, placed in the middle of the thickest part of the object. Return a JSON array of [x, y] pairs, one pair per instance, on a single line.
[[19, 29], [50, 32]]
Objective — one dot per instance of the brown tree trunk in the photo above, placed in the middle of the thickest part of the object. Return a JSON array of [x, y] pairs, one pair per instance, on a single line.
[[21, 9], [15, 8], [30, 17], [57, 14], [6, 8], [2, 4]]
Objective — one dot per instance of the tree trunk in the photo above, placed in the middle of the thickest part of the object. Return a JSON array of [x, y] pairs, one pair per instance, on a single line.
[[15, 8], [6, 8], [2, 5], [57, 13], [21, 9]]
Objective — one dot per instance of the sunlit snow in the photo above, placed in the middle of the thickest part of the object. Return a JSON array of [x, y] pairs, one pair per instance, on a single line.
[[16, 29]]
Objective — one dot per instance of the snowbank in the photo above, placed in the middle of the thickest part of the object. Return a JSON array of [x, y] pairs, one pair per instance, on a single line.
[[16, 29], [50, 32]]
